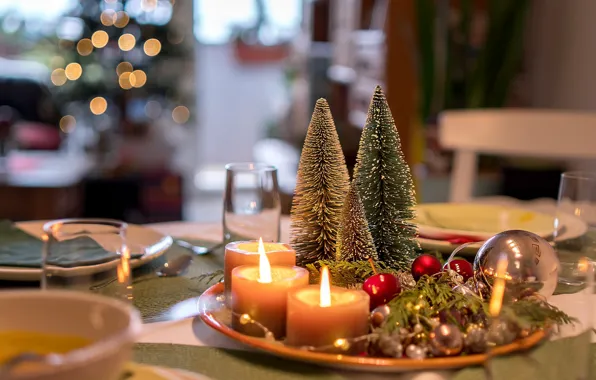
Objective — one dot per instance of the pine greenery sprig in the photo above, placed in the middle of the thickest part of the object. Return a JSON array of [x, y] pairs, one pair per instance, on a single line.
[[434, 295], [351, 274], [210, 277]]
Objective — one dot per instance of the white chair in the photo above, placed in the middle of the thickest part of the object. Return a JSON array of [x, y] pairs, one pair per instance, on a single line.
[[514, 133]]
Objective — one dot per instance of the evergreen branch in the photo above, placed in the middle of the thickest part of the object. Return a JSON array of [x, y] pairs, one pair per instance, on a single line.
[[210, 277], [434, 296], [351, 274]]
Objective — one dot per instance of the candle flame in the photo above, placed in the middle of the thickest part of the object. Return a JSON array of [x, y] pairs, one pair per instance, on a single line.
[[496, 300], [325, 300], [264, 266]]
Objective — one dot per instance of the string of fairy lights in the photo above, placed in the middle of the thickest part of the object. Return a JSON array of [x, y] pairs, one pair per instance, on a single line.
[[127, 76]]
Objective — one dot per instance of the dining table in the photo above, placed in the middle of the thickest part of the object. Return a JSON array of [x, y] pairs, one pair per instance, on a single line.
[[191, 344]]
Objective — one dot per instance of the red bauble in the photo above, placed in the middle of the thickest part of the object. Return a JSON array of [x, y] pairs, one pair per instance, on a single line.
[[425, 265], [461, 267], [381, 288]]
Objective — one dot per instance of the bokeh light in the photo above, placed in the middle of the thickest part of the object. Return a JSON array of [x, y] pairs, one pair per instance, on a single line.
[[98, 105], [138, 78], [121, 19], [85, 47], [58, 77], [152, 47], [100, 39], [68, 123], [175, 37], [148, 5], [124, 80], [73, 71], [180, 114], [57, 62], [123, 67], [107, 17], [126, 42], [153, 109]]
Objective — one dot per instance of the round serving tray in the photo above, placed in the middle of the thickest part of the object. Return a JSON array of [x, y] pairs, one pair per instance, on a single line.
[[215, 316]]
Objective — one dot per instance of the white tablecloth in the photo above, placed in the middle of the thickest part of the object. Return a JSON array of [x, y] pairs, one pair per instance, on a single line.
[[194, 332]]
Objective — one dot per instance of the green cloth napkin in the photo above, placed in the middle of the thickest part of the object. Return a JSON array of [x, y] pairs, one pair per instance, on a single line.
[[19, 249]]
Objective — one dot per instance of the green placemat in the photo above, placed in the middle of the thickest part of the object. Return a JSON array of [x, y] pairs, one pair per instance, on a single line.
[[224, 364], [553, 360], [156, 297]]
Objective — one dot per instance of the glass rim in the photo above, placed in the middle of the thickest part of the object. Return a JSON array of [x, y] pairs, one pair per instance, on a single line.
[[248, 167], [579, 175], [50, 227]]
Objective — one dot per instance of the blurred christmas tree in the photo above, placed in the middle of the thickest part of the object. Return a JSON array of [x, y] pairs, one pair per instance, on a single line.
[[116, 62]]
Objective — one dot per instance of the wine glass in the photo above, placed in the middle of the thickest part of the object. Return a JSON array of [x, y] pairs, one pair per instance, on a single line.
[[575, 222], [252, 207], [88, 255]]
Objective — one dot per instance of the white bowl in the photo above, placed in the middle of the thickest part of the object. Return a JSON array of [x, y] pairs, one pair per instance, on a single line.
[[111, 324]]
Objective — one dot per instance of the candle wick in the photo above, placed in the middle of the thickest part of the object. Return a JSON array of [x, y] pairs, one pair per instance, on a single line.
[[372, 265]]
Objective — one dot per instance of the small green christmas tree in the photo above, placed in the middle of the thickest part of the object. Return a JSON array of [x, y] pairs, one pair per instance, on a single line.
[[321, 186], [386, 187], [355, 243]]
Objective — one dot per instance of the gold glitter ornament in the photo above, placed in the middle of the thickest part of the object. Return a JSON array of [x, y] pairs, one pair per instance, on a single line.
[[386, 187], [321, 186], [355, 243]]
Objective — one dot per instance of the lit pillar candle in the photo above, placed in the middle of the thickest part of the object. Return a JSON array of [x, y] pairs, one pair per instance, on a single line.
[[246, 253], [260, 293], [320, 315]]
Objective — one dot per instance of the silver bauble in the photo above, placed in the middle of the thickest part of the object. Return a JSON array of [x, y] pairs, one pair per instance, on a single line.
[[465, 290], [379, 315], [475, 339], [446, 340], [415, 352], [502, 332], [530, 260]]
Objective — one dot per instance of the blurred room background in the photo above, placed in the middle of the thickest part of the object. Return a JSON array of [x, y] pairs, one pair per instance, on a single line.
[[130, 109]]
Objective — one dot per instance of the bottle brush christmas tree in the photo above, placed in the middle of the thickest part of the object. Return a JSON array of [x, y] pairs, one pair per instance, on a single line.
[[321, 186], [386, 187], [355, 243]]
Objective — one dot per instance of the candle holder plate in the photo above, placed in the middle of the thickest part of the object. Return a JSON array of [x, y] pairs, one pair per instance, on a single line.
[[215, 315]]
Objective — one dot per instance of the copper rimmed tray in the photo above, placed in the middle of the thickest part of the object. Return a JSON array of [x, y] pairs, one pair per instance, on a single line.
[[213, 314]]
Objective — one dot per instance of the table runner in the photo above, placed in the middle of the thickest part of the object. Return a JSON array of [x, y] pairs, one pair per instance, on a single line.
[[225, 364]]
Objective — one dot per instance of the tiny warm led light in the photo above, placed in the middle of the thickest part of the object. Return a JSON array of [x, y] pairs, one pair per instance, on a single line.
[[125, 81], [126, 42], [85, 47], [73, 71], [264, 266], [123, 67], [100, 39], [67, 123], [138, 78], [152, 47], [121, 19], [325, 293], [180, 114], [107, 17], [58, 77], [98, 105]]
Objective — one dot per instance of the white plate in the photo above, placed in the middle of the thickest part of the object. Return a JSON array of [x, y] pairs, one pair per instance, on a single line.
[[571, 226], [153, 243], [481, 221]]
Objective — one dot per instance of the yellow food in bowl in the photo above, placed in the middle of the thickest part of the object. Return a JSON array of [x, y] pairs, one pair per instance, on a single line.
[[13, 343]]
